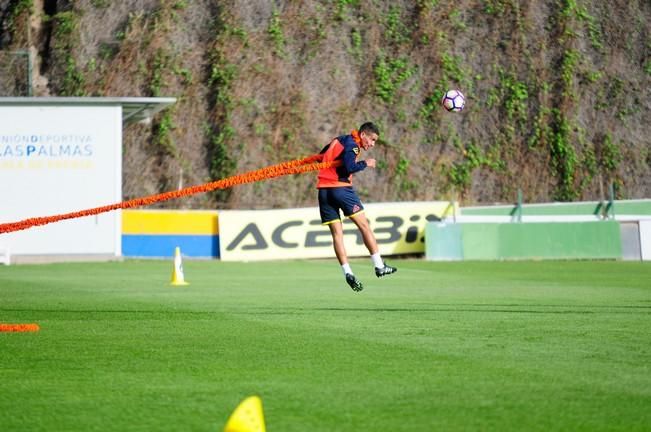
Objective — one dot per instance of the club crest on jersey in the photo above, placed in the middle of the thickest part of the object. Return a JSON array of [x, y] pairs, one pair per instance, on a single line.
[[356, 150]]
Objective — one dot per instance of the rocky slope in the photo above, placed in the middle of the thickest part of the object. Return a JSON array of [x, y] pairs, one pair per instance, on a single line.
[[558, 91]]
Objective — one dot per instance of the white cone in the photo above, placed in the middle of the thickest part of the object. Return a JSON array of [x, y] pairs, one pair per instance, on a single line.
[[177, 273]]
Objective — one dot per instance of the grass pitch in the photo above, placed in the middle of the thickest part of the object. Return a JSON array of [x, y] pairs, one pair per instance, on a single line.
[[437, 346]]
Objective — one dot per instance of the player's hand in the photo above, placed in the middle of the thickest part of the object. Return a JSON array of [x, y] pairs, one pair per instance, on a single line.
[[370, 163]]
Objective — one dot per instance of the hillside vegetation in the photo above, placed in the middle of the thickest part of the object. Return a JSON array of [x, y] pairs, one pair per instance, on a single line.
[[558, 91]]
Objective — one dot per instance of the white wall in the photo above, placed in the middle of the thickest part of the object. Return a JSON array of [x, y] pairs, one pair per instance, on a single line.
[[60, 159]]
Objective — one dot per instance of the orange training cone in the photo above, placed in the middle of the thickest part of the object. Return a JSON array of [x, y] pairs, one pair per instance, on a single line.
[[177, 273], [247, 417]]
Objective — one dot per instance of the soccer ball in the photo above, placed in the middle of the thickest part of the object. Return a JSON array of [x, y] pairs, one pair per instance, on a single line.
[[453, 101]]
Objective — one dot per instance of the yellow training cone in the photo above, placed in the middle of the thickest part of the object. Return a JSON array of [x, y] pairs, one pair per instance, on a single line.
[[247, 417], [177, 273]]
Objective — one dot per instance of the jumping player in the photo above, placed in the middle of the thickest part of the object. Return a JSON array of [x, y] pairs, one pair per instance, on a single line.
[[336, 193]]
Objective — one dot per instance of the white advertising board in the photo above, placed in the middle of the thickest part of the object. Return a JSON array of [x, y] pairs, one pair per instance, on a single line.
[[252, 235], [645, 239], [61, 159]]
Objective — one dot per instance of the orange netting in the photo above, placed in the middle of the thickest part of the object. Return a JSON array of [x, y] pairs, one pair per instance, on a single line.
[[6, 328], [297, 166]]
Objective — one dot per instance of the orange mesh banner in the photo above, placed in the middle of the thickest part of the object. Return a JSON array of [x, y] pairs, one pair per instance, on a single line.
[[297, 166]]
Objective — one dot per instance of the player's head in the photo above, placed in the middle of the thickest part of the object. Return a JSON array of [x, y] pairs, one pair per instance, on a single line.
[[369, 133]]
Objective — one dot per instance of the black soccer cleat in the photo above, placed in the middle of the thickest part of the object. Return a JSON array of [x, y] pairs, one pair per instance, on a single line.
[[386, 270], [354, 283]]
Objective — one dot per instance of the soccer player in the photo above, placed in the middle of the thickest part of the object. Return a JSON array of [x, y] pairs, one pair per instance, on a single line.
[[336, 193]]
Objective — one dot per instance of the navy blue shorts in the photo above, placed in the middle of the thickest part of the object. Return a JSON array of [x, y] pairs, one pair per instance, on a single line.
[[333, 199]]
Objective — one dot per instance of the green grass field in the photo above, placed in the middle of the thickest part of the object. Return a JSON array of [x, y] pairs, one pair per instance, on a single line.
[[438, 346]]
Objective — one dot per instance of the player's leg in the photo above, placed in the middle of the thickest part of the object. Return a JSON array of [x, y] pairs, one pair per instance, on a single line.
[[354, 209], [367, 233], [381, 268], [338, 241], [329, 209], [340, 251]]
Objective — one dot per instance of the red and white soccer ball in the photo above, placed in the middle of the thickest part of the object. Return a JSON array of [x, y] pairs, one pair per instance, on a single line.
[[453, 101]]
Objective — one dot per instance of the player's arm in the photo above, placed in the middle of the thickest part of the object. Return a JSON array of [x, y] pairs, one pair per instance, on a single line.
[[349, 156]]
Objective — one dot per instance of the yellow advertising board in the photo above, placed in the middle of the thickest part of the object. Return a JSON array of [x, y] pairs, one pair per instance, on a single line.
[[254, 235]]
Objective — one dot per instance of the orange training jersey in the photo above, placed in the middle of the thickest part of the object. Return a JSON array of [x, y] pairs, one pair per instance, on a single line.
[[344, 148]]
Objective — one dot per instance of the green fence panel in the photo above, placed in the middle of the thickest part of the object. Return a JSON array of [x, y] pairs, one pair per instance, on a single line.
[[509, 241], [588, 208], [443, 242], [480, 240]]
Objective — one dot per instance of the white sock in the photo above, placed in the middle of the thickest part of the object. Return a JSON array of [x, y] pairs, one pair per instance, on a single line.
[[377, 260], [346, 268]]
